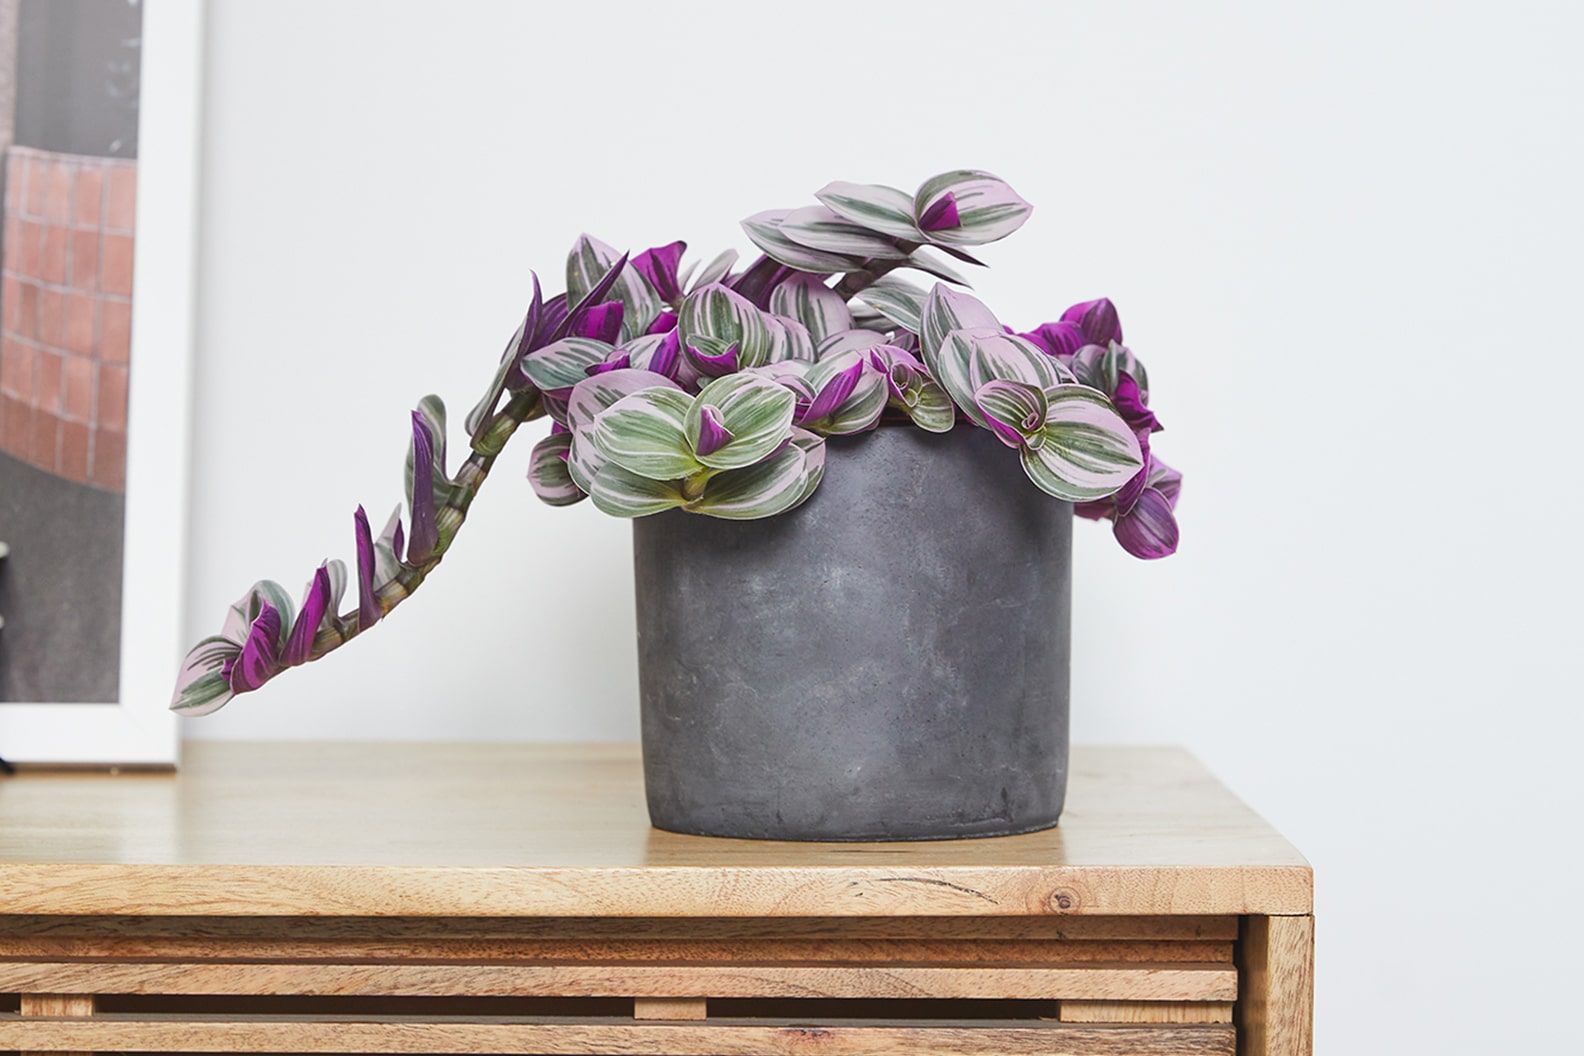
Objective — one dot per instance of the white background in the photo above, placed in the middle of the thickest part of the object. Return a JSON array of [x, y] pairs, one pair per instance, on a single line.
[[1345, 239]]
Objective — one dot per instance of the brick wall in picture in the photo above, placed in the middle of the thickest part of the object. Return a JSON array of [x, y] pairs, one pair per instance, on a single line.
[[66, 302]]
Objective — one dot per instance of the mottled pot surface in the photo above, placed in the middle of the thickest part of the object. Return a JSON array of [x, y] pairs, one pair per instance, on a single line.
[[888, 661]]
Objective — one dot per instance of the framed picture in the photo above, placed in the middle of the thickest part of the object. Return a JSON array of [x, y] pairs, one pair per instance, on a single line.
[[99, 121]]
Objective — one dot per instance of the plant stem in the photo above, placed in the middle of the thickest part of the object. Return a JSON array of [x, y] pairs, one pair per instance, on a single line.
[[470, 476]]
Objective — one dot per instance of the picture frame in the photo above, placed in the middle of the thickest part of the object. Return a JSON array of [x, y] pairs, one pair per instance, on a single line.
[[138, 729]]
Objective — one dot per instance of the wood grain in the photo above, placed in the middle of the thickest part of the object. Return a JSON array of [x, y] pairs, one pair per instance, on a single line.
[[560, 831], [1145, 1012], [126, 1033], [75, 1005], [682, 1008], [1135, 983], [1276, 987]]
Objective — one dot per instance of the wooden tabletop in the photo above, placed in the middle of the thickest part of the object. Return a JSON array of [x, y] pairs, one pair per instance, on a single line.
[[310, 829]]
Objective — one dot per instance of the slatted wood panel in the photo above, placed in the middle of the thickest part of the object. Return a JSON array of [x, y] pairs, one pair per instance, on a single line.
[[123, 1033]]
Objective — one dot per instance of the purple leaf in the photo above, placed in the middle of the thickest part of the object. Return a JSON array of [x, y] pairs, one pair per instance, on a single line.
[[420, 547], [258, 662], [602, 322], [713, 434], [1097, 319], [1059, 339], [368, 602], [299, 647], [593, 297], [1129, 401], [833, 394], [942, 214], [715, 363], [551, 316], [1149, 530], [759, 281], [1165, 480], [667, 354], [659, 266], [616, 361], [664, 323]]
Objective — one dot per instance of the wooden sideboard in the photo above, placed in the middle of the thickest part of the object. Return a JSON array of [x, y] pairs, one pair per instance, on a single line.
[[339, 898]]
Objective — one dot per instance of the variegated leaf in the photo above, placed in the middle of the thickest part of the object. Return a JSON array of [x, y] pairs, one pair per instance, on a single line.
[[622, 493], [730, 318], [645, 434], [899, 301], [817, 227], [564, 363], [861, 408], [987, 208], [912, 390], [432, 410], [924, 259], [760, 490], [1098, 367], [764, 229], [756, 412], [877, 207], [201, 685], [818, 307], [945, 310], [588, 262], [998, 355], [1085, 451], [933, 411], [866, 318], [1015, 410], [848, 341], [548, 473], [789, 340], [246, 609], [716, 270], [813, 448]]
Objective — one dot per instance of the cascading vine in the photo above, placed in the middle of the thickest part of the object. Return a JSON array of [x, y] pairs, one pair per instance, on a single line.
[[713, 391]]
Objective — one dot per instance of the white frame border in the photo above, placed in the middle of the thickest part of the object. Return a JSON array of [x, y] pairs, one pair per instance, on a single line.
[[141, 730]]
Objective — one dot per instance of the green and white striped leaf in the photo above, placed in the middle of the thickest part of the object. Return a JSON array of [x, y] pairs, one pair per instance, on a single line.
[[945, 311], [622, 493], [877, 207], [764, 229], [432, 409], [716, 270], [924, 259], [988, 209], [898, 300], [756, 411], [789, 340], [862, 407], [933, 412], [548, 472], [201, 685], [1085, 451], [999, 356], [848, 341], [588, 262], [817, 227], [1099, 367], [813, 448], [564, 363], [807, 299], [644, 433], [866, 318], [726, 316], [1016, 405], [761, 490], [240, 616]]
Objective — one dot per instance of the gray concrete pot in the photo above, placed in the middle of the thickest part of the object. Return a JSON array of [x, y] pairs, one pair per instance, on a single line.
[[887, 662]]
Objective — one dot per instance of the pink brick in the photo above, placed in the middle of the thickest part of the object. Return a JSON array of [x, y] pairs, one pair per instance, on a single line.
[[115, 264], [73, 458], [57, 194], [109, 460], [52, 254], [84, 254], [115, 330], [121, 197], [79, 335], [45, 441], [48, 378], [112, 397], [78, 396], [87, 196], [16, 369]]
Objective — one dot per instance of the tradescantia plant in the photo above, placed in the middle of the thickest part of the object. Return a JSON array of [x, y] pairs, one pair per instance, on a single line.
[[713, 390]]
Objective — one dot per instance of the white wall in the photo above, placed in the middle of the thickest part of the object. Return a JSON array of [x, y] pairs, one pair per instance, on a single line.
[[1345, 239]]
